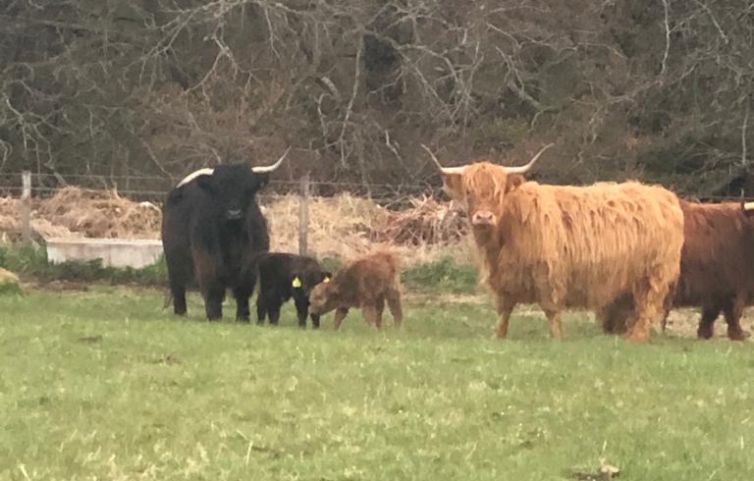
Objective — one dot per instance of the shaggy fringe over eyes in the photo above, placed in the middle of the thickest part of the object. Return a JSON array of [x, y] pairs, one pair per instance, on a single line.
[[487, 181]]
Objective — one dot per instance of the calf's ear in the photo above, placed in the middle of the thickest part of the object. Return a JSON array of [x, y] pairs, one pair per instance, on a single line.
[[326, 276]]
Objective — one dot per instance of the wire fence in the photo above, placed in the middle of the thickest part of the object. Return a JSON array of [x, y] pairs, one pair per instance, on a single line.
[[155, 188], [28, 186]]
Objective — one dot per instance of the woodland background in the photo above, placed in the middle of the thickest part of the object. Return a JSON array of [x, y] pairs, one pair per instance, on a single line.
[[659, 90]]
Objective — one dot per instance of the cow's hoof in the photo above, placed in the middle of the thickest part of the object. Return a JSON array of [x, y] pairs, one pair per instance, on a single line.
[[704, 333], [636, 337], [738, 335]]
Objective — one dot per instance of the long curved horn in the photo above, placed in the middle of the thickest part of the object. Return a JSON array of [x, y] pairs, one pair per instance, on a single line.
[[194, 175], [525, 168], [444, 170], [273, 167]]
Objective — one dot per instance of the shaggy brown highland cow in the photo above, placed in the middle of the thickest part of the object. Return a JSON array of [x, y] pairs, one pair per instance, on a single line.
[[570, 247], [365, 283]]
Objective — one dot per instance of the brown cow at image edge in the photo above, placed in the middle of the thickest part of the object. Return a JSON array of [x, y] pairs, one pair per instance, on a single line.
[[717, 269]]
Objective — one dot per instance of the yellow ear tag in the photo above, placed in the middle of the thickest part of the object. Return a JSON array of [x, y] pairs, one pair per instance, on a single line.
[[296, 282], [326, 280]]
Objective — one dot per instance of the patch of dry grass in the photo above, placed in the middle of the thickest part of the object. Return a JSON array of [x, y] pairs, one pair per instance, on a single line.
[[342, 227]]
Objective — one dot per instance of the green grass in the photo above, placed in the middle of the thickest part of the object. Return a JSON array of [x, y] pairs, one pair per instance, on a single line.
[[106, 384], [32, 262], [443, 275]]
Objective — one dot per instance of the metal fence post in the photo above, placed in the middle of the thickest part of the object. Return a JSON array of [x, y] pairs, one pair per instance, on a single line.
[[303, 215], [26, 206]]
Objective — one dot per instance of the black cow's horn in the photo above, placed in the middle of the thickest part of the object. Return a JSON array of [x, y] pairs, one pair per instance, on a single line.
[[194, 175], [273, 167]]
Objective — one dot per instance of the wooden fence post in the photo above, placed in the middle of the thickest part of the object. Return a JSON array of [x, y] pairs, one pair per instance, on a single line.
[[303, 216], [26, 206]]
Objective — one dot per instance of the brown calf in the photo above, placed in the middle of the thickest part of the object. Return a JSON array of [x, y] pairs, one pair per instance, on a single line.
[[365, 283]]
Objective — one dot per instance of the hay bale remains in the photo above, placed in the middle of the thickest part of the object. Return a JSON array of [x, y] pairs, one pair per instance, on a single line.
[[341, 226], [102, 214], [426, 222]]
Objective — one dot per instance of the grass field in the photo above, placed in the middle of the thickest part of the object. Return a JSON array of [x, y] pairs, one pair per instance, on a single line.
[[105, 384]]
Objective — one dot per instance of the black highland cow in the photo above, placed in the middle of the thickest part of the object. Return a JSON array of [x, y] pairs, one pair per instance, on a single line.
[[211, 228]]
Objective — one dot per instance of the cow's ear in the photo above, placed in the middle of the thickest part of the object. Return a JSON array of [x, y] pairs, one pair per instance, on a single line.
[[452, 184], [514, 180], [205, 182], [262, 180], [326, 276], [296, 282]]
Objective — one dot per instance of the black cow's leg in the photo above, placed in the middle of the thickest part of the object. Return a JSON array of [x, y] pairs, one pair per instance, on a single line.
[[274, 310], [213, 302], [261, 308], [179, 299], [302, 310], [242, 295], [707, 324]]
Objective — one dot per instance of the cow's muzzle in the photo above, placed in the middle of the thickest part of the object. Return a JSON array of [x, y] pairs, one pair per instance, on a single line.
[[233, 214], [482, 218]]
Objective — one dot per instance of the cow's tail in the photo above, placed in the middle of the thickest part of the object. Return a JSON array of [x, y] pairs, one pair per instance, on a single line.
[[168, 299]]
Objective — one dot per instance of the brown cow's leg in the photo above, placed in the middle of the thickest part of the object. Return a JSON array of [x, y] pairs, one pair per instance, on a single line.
[[369, 312], [556, 328], [706, 327], [340, 314], [504, 310], [213, 302], [733, 312], [649, 303], [379, 309], [394, 304], [617, 317]]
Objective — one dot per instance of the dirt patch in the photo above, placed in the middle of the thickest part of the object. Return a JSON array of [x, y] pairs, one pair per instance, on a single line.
[[684, 322]]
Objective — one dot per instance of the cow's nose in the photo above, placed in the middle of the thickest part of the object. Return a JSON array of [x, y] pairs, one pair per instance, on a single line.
[[482, 217], [233, 214]]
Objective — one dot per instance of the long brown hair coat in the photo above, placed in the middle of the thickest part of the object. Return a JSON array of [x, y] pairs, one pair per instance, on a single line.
[[572, 247]]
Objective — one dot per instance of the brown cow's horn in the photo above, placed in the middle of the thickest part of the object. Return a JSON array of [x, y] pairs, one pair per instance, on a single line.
[[525, 168], [194, 175], [444, 170], [273, 167]]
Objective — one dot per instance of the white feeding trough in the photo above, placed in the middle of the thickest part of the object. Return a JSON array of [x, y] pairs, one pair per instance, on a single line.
[[134, 253]]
